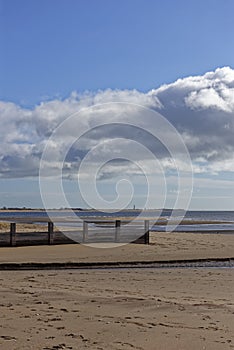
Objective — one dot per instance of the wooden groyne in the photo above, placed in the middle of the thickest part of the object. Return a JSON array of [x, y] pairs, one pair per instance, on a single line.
[[64, 231]]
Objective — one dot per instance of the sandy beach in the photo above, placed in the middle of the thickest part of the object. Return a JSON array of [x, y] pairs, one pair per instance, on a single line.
[[116, 175], [163, 246], [144, 309], [169, 309]]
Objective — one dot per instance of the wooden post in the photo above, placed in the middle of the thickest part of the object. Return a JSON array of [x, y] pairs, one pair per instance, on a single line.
[[85, 231], [146, 235], [117, 230], [13, 234], [50, 232]]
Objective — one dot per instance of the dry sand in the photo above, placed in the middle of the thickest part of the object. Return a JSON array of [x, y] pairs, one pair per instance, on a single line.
[[163, 246], [180, 309], [120, 309]]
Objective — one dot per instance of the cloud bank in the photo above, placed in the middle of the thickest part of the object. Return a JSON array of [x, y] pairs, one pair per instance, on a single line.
[[201, 108]]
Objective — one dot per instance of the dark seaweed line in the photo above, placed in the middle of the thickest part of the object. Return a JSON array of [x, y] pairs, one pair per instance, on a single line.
[[191, 263]]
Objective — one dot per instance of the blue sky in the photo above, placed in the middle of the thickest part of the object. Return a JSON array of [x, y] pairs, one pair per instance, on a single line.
[[50, 49]]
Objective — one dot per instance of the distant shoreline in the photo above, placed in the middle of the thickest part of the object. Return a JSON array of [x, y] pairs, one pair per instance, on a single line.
[[73, 209]]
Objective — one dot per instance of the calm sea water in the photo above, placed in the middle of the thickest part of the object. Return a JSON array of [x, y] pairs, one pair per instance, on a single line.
[[225, 216], [191, 214]]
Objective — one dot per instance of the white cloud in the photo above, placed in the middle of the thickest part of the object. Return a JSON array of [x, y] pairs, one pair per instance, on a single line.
[[200, 107], [207, 98]]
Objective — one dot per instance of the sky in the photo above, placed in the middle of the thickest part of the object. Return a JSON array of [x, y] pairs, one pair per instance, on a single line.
[[175, 58]]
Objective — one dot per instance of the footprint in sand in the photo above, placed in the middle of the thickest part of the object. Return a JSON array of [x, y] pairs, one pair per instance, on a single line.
[[8, 337]]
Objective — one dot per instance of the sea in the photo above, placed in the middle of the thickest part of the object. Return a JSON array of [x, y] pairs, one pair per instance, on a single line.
[[196, 221]]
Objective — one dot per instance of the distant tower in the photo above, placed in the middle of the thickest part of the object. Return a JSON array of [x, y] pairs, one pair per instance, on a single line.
[[134, 207]]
